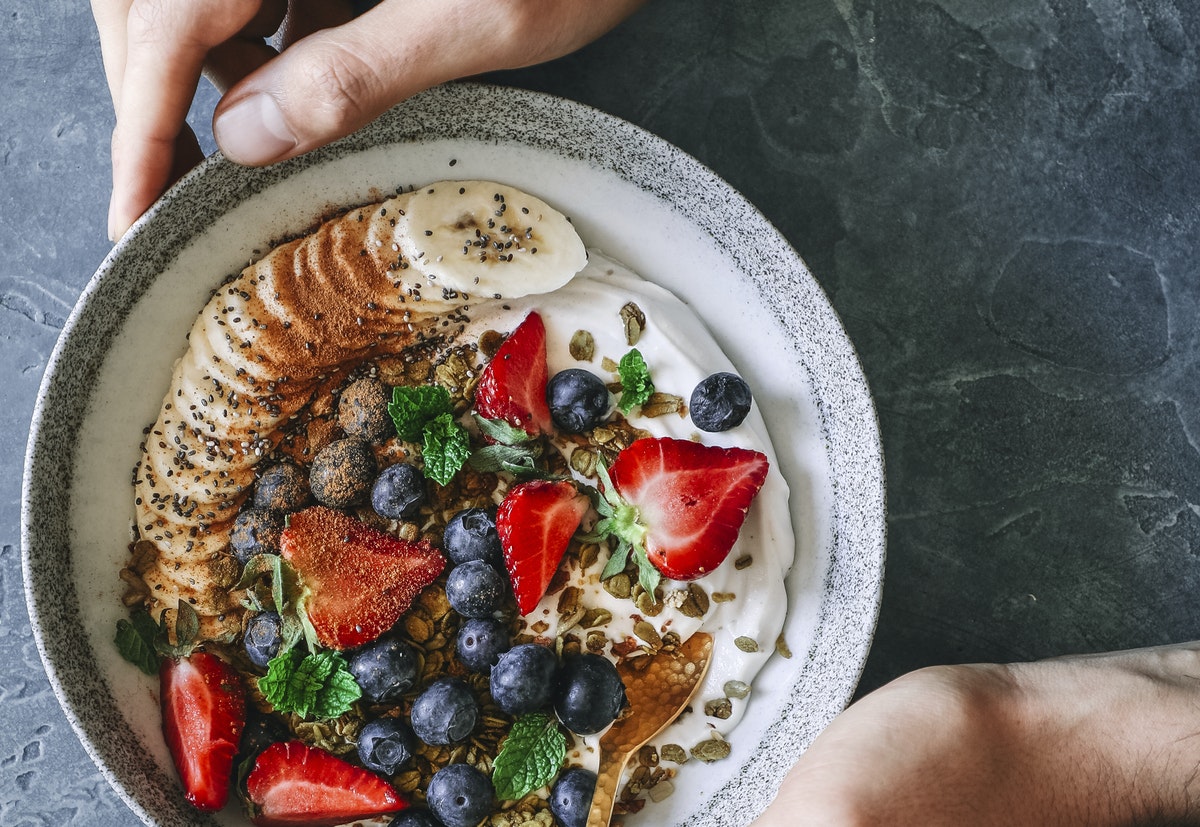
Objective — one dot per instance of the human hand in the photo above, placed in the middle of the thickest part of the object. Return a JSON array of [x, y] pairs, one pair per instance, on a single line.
[[333, 74], [1095, 740]]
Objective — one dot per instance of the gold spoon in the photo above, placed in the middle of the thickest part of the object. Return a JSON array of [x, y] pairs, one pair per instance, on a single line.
[[657, 693]]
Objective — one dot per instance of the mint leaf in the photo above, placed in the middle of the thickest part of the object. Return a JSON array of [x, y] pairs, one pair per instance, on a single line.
[[636, 385], [318, 685], [446, 448], [135, 641], [340, 691], [286, 686], [530, 756], [413, 407]]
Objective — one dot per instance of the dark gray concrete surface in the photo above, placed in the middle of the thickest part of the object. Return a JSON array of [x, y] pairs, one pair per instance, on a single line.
[[1001, 200]]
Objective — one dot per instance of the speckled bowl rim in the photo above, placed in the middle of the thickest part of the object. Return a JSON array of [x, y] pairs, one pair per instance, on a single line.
[[847, 421]]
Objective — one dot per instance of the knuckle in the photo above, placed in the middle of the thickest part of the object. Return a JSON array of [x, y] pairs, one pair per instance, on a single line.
[[514, 20], [340, 88], [201, 22]]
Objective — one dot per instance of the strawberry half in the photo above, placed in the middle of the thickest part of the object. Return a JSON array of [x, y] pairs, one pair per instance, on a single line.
[[293, 783], [536, 522], [204, 713], [356, 581], [512, 386], [684, 503]]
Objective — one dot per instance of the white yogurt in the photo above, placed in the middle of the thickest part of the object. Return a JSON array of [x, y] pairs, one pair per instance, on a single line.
[[679, 352]]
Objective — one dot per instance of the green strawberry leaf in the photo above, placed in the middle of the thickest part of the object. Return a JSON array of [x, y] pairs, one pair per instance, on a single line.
[[530, 756], [520, 462], [502, 432], [187, 624], [648, 576], [135, 641], [616, 561]]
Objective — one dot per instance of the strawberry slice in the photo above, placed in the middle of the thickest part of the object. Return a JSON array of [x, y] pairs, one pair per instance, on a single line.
[[535, 523], [356, 581], [293, 783], [512, 386], [688, 500], [204, 713]]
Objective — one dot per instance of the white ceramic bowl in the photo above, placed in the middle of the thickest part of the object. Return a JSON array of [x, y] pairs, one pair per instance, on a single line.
[[630, 194]]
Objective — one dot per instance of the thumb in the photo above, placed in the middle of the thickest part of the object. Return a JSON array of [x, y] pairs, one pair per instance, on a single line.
[[337, 80]]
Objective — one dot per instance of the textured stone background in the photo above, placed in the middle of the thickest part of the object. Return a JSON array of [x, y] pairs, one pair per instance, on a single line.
[[999, 198]]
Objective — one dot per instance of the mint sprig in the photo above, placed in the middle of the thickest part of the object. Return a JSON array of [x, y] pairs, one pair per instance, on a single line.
[[530, 756], [636, 384], [511, 450], [425, 414], [446, 448], [414, 407], [317, 685]]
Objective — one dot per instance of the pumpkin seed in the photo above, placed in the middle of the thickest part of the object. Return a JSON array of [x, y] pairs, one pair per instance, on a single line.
[[714, 749], [582, 346]]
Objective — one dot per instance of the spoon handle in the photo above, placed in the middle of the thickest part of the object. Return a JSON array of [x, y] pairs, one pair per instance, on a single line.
[[608, 777]]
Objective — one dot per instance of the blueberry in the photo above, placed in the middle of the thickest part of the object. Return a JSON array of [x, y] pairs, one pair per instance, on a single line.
[[481, 642], [445, 713], [475, 589], [522, 678], [720, 402], [398, 492], [571, 796], [460, 795], [255, 531], [471, 535], [282, 487], [260, 732], [386, 743], [578, 400], [588, 693], [363, 409], [415, 817], [262, 637], [385, 669], [342, 473]]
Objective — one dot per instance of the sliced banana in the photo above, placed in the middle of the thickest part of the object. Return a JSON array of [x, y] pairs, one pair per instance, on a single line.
[[489, 240]]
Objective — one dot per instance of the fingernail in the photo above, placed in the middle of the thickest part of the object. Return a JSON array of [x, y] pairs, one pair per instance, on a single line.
[[253, 131]]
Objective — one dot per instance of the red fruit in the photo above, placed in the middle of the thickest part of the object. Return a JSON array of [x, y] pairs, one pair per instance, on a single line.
[[690, 498], [293, 783], [357, 581], [513, 385], [535, 523], [204, 713]]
